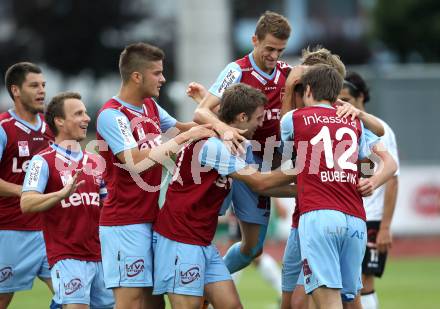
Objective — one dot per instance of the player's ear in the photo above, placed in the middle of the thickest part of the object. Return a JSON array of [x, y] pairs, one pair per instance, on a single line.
[[136, 77], [59, 122], [15, 90], [242, 117], [254, 40]]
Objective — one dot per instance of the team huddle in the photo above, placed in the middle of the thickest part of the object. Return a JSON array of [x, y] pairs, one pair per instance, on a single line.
[[88, 223]]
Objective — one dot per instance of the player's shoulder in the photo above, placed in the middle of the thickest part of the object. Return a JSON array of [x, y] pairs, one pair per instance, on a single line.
[[5, 117], [243, 63], [46, 152], [110, 104]]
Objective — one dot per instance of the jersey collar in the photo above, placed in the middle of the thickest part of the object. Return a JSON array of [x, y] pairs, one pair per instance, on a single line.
[[259, 71], [35, 127], [128, 105]]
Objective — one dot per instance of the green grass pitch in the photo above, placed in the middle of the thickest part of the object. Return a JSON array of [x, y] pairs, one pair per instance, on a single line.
[[407, 284]]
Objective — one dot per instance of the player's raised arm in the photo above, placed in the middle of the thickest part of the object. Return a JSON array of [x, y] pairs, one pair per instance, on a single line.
[[288, 101], [345, 109], [139, 160]]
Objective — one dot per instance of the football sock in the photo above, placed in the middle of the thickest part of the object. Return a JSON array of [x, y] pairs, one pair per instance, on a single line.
[[370, 300]]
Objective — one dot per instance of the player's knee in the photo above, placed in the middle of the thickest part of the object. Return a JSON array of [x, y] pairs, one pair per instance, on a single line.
[[298, 302], [5, 299]]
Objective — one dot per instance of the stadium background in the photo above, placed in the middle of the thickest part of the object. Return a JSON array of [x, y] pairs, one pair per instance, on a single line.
[[395, 46]]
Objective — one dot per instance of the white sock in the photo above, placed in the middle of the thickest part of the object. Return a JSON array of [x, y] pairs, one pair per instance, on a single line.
[[270, 271], [236, 277], [370, 301]]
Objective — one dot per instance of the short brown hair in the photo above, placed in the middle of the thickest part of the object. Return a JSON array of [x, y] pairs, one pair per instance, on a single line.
[[56, 108], [16, 74], [324, 81], [320, 55], [273, 23], [136, 57], [240, 98]]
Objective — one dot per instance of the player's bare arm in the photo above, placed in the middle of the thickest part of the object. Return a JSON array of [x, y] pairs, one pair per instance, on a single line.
[[204, 114], [384, 237], [386, 169], [33, 201], [140, 160], [262, 182], [9, 189], [345, 109]]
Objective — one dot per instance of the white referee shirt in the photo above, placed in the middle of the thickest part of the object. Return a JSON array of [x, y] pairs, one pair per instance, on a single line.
[[374, 204]]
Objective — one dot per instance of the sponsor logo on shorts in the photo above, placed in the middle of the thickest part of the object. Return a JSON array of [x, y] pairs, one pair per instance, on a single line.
[[306, 271], [190, 275], [5, 273], [134, 268], [72, 286]]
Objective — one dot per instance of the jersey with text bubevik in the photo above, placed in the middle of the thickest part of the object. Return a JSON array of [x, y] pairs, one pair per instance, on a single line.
[[132, 200], [70, 228], [22, 143], [274, 90], [327, 154], [193, 200]]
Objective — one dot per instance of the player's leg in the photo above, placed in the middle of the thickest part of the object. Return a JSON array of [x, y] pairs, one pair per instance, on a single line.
[[352, 254], [21, 255], [153, 301], [291, 269], [373, 266], [5, 300], [327, 298], [299, 299], [219, 287], [223, 294], [127, 261], [178, 301], [321, 234]]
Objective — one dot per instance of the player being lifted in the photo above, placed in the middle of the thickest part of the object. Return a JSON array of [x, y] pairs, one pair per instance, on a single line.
[[332, 228], [186, 264]]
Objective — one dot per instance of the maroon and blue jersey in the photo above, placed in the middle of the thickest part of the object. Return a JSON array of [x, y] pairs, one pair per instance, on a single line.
[[19, 141]]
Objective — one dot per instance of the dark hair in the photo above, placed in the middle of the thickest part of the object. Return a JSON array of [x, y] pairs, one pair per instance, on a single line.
[[356, 85], [55, 108], [320, 55], [324, 82], [273, 23], [16, 74], [240, 98], [135, 57]]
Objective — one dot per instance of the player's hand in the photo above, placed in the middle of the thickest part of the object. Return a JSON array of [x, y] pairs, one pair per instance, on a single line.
[[345, 109], [200, 132], [196, 92], [294, 76], [232, 137], [383, 240], [72, 185], [365, 186]]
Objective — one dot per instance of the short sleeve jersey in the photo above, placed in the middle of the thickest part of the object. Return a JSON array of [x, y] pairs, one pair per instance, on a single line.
[[198, 188], [132, 198], [19, 141], [245, 70], [328, 149], [70, 228]]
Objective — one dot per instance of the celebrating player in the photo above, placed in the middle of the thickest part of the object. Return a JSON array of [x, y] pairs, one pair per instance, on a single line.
[[379, 207], [65, 184], [23, 133], [329, 190], [131, 124], [186, 264]]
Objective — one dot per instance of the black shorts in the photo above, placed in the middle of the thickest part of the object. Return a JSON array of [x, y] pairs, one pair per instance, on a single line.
[[374, 262]]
